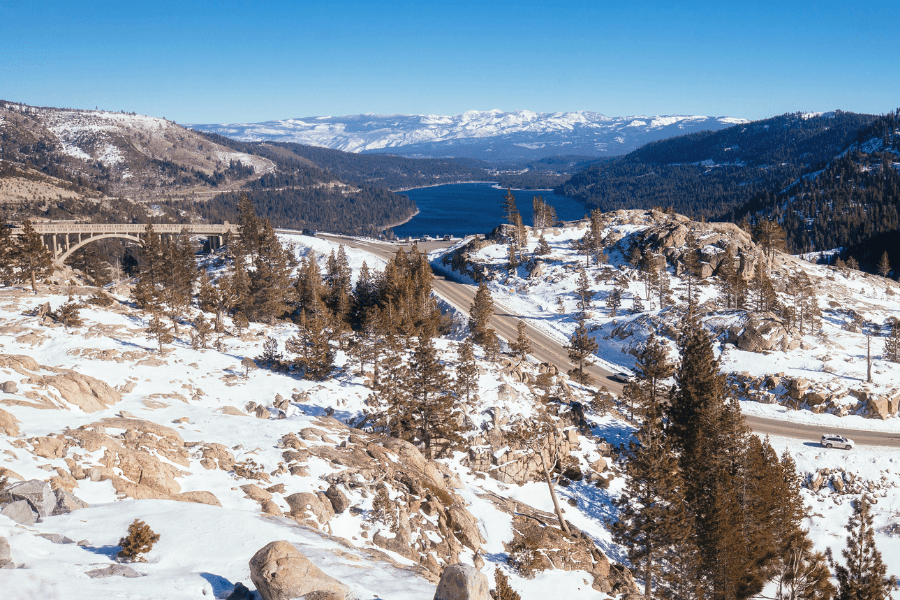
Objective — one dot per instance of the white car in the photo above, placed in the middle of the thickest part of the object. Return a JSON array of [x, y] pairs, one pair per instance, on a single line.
[[622, 377], [833, 440]]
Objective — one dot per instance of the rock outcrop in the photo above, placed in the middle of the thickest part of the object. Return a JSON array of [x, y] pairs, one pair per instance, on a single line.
[[281, 572], [462, 582]]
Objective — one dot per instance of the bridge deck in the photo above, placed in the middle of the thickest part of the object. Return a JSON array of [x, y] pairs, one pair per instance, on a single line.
[[132, 228]]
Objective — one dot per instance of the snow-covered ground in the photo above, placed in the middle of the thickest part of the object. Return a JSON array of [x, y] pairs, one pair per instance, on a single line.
[[204, 549], [832, 359]]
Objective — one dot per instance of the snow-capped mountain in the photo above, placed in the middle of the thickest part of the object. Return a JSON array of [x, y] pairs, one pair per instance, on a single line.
[[490, 135]]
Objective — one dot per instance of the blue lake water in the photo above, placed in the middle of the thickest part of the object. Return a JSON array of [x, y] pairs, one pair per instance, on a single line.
[[460, 209]]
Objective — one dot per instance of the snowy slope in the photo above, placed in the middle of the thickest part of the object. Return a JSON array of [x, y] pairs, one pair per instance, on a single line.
[[490, 135], [202, 396]]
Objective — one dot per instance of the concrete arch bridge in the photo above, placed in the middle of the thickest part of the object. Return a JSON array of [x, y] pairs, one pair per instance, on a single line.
[[64, 239]]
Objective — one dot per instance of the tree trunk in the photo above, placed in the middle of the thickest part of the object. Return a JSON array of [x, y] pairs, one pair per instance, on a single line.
[[648, 575], [562, 521], [33, 284]]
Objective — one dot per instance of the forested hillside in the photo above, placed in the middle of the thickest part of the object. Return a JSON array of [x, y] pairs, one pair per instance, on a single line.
[[714, 174], [853, 201], [102, 166]]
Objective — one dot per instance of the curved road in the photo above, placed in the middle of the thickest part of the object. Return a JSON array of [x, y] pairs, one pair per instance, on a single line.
[[550, 350]]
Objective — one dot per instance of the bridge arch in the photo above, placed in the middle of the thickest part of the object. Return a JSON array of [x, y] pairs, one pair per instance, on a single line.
[[72, 249]]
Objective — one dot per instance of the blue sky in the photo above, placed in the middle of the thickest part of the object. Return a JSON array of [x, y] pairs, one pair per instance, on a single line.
[[229, 61]]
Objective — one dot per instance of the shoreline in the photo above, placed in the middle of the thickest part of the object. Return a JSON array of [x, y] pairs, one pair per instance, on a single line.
[[399, 223], [495, 185], [422, 187]]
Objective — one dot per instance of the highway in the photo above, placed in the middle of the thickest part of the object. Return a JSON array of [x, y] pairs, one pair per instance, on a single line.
[[550, 350]]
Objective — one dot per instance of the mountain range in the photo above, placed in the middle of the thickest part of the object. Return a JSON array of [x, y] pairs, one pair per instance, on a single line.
[[491, 135]]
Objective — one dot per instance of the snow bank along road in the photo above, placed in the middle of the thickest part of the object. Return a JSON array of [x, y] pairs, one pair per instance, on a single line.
[[549, 350]]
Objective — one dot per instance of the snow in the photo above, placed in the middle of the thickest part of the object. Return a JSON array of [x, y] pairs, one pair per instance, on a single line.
[[360, 133]]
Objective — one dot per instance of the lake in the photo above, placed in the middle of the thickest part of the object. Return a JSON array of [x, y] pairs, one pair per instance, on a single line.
[[461, 209]]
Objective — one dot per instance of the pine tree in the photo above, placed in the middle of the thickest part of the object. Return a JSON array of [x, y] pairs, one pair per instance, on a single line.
[[892, 342], [852, 264], [240, 322], [884, 265], [543, 248], [509, 206], [691, 271], [466, 368], [583, 291], [512, 260], [158, 330], [480, 313], [313, 352], [726, 279], [147, 291], [522, 345], [770, 235], [249, 226], [802, 574], [67, 314], [581, 345], [201, 333], [764, 298], [652, 367], [614, 299], [271, 291], [7, 254], [864, 577], [431, 400], [32, 257], [139, 541], [595, 236], [654, 523], [176, 274]]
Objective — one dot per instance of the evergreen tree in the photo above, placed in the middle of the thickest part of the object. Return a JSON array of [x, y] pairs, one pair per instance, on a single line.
[[158, 330], [614, 299], [431, 401], [595, 236], [770, 235], [802, 574], [726, 280], [581, 345], [271, 293], [654, 523], [32, 257], [249, 226], [7, 254], [240, 322], [480, 313], [311, 347], [884, 265], [892, 342], [691, 271], [147, 290], [583, 291], [509, 207], [522, 345], [201, 333], [652, 367], [67, 314], [466, 368], [864, 577], [764, 298], [270, 356], [176, 275], [512, 257], [543, 248]]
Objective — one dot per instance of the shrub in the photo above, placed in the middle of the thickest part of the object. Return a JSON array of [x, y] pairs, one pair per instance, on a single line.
[[140, 540], [503, 591], [100, 299], [384, 509]]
